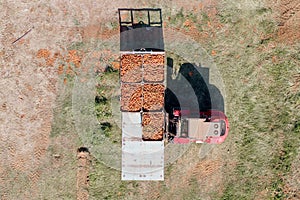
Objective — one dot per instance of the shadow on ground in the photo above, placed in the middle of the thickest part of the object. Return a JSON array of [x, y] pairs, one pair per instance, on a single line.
[[189, 88]]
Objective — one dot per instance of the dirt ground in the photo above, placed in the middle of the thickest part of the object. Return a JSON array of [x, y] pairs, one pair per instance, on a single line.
[[289, 23], [33, 75]]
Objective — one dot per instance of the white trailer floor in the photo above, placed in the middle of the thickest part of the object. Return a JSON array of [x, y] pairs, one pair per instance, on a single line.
[[141, 160]]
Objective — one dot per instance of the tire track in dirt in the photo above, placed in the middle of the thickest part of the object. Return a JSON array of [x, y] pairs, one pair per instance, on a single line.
[[34, 176], [28, 91], [83, 164], [27, 121]]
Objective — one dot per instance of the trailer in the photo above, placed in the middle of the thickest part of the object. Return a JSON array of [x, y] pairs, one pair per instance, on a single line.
[[142, 77]]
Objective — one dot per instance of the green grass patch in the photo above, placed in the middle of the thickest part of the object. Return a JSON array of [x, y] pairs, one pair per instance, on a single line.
[[105, 92], [105, 183]]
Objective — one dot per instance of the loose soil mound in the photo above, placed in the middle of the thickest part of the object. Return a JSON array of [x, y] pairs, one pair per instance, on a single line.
[[153, 95], [289, 23], [131, 68], [135, 97], [131, 97], [83, 163], [153, 123], [153, 68], [148, 67]]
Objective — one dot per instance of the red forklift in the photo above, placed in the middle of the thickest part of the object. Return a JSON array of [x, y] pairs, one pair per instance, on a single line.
[[184, 126]]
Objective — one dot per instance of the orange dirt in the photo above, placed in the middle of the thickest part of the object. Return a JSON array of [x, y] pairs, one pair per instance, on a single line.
[[93, 31], [154, 68], [153, 125], [66, 64], [131, 97], [295, 83], [131, 70], [289, 20], [134, 97], [212, 26], [153, 97]]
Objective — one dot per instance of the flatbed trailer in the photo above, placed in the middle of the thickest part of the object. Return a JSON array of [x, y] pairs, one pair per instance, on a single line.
[[142, 79]]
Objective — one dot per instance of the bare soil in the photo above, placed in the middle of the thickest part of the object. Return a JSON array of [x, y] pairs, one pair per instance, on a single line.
[[289, 21], [83, 160]]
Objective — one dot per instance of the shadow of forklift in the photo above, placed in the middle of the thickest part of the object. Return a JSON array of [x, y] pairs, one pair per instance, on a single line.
[[194, 103]]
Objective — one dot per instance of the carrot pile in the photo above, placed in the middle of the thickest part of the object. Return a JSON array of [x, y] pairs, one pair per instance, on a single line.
[[142, 91], [153, 123]]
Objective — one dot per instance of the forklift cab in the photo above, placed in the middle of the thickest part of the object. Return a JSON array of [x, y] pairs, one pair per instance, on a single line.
[[176, 114], [211, 127]]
